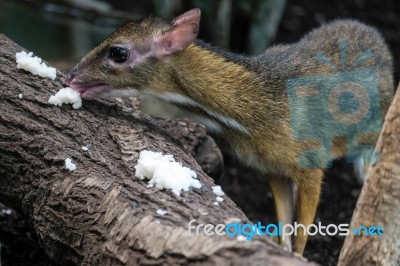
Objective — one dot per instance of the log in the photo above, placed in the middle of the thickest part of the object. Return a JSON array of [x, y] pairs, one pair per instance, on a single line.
[[379, 202], [100, 214]]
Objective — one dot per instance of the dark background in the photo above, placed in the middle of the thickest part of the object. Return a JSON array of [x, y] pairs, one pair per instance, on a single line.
[[62, 32]]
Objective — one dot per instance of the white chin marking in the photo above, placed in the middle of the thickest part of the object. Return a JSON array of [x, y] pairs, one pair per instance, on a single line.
[[173, 97], [211, 125], [122, 93]]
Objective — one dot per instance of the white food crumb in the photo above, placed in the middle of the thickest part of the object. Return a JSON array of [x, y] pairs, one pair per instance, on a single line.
[[219, 199], [70, 165], [218, 191], [164, 172], [20, 96], [34, 64], [161, 212], [216, 203], [241, 238], [66, 95], [6, 211], [85, 148]]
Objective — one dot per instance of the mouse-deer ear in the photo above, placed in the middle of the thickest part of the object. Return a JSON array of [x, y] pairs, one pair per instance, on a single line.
[[192, 16], [180, 37]]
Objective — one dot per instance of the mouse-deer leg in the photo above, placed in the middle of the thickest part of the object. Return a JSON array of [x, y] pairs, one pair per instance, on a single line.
[[309, 183], [282, 190]]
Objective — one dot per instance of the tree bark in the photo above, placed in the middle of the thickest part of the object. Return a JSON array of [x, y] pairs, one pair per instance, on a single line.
[[100, 214], [379, 202]]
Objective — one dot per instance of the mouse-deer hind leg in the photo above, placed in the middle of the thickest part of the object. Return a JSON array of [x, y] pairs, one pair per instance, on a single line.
[[309, 183], [282, 190]]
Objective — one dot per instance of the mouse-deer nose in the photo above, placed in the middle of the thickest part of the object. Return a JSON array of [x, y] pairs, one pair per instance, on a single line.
[[70, 77]]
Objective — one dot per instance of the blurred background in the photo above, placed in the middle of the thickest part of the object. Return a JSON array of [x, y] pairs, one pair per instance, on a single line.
[[63, 31]]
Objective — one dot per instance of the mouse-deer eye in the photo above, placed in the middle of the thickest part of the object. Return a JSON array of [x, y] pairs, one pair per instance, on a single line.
[[119, 54]]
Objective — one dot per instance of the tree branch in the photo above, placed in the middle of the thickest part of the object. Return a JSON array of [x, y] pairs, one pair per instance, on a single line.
[[379, 202]]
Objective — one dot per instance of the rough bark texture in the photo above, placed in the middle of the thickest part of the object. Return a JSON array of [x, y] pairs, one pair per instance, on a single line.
[[101, 214], [379, 202]]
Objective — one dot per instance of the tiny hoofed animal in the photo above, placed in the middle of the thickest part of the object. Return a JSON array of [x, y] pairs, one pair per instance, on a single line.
[[286, 112]]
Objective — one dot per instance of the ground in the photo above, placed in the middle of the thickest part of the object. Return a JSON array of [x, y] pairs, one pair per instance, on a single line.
[[244, 186]]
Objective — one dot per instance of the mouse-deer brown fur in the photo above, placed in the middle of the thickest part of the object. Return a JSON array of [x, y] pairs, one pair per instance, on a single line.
[[243, 99]]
